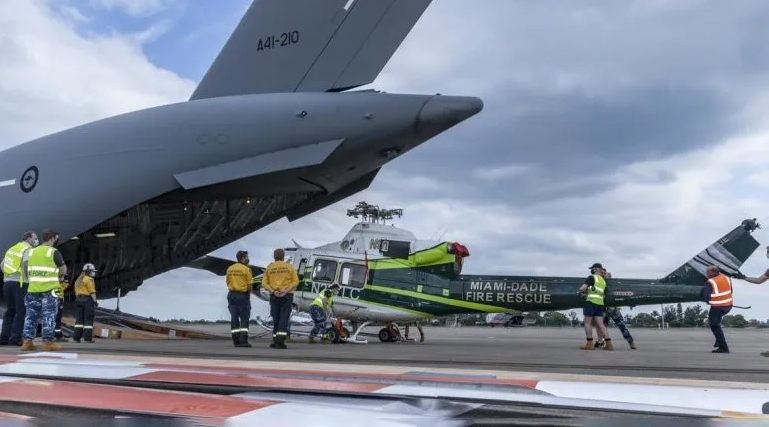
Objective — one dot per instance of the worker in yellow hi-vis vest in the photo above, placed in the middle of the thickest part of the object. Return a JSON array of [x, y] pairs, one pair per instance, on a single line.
[[43, 266], [15, 289], [318, 310], [595, 287]]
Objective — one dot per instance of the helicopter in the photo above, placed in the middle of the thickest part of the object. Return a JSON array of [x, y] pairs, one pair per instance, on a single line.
[[388, 276]]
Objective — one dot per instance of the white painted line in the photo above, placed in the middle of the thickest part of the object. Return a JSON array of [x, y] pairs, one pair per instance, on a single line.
[[348, 5], [7, 182], [749, 401]]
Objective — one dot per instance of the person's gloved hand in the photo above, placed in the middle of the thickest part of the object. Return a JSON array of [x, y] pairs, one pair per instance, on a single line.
[[738, 275]]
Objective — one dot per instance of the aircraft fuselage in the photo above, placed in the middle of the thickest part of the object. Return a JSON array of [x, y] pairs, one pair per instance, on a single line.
[[408, 294]]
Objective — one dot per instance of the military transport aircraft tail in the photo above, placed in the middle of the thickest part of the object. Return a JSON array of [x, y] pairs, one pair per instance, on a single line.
[[309, 46], [729, 253]]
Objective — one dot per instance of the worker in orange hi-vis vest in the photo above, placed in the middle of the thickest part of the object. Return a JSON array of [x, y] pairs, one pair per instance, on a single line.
[[717, 292]]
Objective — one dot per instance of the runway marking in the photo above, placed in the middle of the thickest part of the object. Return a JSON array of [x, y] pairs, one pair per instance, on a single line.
[[348, 376], [106, 397], [249, 381], [447, 375], [7, 183]]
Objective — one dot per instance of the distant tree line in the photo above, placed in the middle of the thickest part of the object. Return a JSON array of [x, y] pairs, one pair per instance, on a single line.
[[674, 317]]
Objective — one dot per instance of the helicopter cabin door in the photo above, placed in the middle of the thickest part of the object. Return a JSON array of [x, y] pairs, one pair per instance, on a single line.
[[304, 276], [323, 274]]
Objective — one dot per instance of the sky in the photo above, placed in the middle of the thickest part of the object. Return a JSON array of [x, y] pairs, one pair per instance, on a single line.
[[630, 133]]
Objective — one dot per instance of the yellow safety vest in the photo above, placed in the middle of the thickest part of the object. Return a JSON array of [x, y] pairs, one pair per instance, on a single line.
[[323, 301], [43, 272], [596, 292], [13, 258]]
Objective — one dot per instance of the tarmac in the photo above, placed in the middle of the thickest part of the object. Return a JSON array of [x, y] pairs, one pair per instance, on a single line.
[[669, 367], [675, 355]]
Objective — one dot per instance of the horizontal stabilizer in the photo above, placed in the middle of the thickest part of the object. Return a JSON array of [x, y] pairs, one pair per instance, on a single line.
[[309, 45], [218, 265], [307, 155]]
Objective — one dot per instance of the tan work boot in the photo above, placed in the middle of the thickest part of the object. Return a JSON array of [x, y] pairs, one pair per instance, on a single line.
[[50, 346], [589, 345], [28, 346], [609, 345], [632, 345]]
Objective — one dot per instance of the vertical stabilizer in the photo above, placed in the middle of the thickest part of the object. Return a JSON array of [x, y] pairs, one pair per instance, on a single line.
[[309, 46], [729, 253]]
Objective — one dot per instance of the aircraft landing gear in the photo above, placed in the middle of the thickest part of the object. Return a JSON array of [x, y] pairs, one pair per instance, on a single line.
[[354, 338], [421, 332], [390, 333], [338, 333]]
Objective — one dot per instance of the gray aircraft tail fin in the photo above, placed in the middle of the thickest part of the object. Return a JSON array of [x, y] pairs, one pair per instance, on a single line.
[[729, 253], [309, 46]]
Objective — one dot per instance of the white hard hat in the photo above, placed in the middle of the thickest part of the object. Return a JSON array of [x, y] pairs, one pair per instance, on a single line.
[[89, 266]]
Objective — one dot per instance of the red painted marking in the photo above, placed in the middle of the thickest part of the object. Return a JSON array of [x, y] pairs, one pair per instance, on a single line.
[[392, 377], [250, 381], [126, 399]]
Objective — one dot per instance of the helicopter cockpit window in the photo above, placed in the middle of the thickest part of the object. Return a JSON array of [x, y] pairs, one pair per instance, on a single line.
[[352, 275], [324, 270]]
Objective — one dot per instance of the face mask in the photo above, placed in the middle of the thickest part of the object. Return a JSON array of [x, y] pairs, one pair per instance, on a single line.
[[37, 242], [92, 274]]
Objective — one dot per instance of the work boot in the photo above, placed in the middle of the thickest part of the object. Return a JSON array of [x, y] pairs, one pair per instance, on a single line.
[[28, 346], [312, 340], [279, 343], [50, 346], [243, 340], [289, 340], [609, 345], [632, 344], [589, 345]]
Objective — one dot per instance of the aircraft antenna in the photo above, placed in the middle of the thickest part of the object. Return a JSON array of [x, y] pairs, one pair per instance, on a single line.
[[373, 213]]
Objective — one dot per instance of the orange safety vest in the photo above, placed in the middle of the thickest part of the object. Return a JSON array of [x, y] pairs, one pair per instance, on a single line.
[[721, 291]]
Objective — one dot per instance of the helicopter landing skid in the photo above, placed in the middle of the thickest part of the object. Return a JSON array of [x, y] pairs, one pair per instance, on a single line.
[[354, 338]]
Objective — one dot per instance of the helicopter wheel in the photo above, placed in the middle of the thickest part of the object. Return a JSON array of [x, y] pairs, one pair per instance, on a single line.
[[333, 336], [385, 335]]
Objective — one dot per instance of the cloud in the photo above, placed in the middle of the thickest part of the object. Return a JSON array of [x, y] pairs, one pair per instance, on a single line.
[[631, 133], [53, 78], [136, 8]]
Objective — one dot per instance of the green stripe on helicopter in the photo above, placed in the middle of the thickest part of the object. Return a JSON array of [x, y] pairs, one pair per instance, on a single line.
[[446, 301]]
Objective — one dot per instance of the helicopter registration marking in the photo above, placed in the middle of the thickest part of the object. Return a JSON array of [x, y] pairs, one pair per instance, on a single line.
[[344, 291], [509, 292]]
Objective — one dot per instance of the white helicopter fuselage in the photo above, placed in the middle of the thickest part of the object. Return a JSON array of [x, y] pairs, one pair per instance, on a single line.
[[344, 263]]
